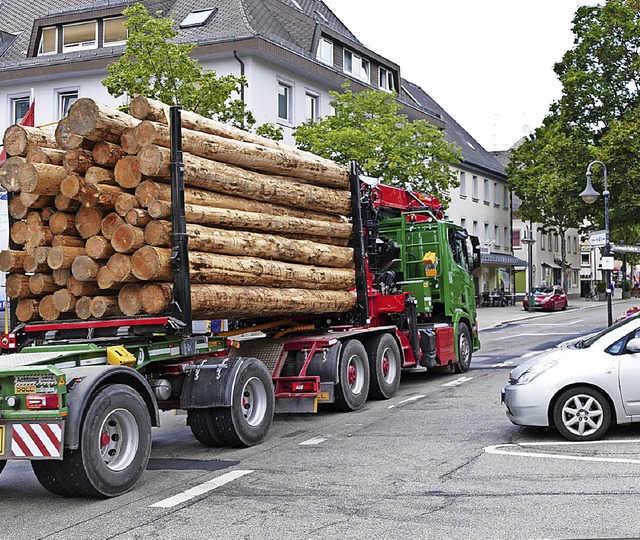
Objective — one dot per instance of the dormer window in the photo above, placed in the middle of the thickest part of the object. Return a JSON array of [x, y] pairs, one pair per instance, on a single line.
[[48, 41], [386, 80], [198, 18], [356, 65], [80, 36], [115, 32], [325, 51]]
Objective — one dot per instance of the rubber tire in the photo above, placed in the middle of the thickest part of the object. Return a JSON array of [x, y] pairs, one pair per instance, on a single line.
[[87, 473], [464, 347], [552, 307], [582, 390], [379, 387], [202, 424], [53, 477], [566, 305], [345, 398], [230, 425], [2, 464]]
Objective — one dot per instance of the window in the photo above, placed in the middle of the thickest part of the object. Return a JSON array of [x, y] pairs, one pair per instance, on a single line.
[[325, 51], [543, 242], [486, 232], [515, 239], [496, 194], [496, 235], [463, 223], [463, 185], [486, 191], [575, 244], [555, 243], [198, 18], [19, 107], [506, 238], [585, 259], [475, 228], [65, 100], [114, 30], [80, 36], [474, 187], [284, 102], [48, 41], [505, 198], [386, 80], [311, 106], [356, 66]]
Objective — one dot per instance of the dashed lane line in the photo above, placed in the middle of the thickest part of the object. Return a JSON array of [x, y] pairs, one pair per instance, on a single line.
[[312, 442], [537, 334], [458, 382], [405, 401], [201, 489]]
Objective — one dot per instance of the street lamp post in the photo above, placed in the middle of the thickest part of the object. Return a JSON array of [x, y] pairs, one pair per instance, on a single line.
[[529, 240], [590, 195]]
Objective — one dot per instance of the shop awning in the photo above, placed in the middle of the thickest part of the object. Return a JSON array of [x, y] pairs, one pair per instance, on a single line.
[[551, 265], [500, 259]]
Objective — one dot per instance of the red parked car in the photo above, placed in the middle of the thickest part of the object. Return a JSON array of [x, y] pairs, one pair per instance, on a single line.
[[547, 298]]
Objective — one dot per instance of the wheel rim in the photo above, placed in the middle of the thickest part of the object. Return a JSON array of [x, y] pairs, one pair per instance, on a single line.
[[118, 439], [254, 401], [464, 350], [582, 415], [355, 374], [389, 365]]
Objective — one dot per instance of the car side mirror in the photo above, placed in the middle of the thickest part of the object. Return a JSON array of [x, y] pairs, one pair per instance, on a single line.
[[633, 346]]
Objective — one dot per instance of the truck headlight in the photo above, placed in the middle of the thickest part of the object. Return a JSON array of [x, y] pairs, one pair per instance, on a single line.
[[534, 371]]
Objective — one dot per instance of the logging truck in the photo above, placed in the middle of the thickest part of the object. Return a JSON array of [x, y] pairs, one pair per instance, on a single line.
[[104, 331]]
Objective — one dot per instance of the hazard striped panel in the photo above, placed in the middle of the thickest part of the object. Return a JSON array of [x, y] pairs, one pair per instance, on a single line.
[[36, 440]]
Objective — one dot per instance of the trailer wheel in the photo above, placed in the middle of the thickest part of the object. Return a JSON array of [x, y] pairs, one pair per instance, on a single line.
[[384, 365], [247, 422], [464, 348], [53, 476], [115, 444], [353, 387], [202, 424]]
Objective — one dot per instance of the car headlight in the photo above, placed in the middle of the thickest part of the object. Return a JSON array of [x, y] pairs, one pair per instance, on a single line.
[[534, 371]]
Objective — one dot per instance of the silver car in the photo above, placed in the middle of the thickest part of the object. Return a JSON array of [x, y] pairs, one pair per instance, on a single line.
[[583, 388]]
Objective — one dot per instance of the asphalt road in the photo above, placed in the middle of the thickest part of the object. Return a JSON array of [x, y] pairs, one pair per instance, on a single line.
[[438, 461]]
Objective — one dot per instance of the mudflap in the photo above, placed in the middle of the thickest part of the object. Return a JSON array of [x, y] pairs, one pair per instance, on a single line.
[[32, 439], [209, 383]]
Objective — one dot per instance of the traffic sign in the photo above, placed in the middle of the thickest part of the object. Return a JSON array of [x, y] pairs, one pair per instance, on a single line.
[[598, 238]]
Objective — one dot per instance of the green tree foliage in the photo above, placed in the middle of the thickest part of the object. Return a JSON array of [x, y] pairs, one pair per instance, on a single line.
[[547, 172], [367, 126], [600, 75], [156, 65]]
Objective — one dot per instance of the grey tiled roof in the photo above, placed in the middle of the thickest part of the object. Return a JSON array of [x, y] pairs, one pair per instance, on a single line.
[[472, 151]]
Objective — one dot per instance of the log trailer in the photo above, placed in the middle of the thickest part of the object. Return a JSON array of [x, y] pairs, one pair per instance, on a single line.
[[79, 398]]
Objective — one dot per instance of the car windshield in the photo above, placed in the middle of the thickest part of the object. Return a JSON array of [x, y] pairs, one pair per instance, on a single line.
[[543, 290], [590, 340]]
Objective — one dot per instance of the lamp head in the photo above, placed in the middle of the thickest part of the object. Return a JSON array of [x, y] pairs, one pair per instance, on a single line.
[[589, 195]]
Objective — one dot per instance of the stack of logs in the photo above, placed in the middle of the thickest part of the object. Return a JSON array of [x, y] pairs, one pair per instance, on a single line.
[[266, 222]]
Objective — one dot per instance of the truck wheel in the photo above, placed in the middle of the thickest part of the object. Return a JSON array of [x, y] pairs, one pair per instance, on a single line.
[[353, 386], [115, 444], [53, 476], [249, 418], [464, 348], [202, 424], [384, 366]]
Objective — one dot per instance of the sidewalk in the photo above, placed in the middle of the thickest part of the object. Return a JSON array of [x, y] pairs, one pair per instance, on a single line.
[[490, 317]]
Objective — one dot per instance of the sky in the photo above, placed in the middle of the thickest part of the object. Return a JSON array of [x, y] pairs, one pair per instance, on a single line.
[[488, 63]]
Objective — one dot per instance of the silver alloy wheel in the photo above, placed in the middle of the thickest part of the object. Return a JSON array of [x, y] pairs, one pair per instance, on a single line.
[[119, 438], [582, 415], [254, 401]]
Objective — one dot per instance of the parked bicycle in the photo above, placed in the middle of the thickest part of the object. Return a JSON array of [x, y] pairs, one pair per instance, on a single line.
[[592, 296]]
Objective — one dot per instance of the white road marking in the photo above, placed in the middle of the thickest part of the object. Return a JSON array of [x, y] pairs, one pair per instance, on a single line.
[[556, 324], [538, 335], [409, 400], [200, 490], [311, 442], [458, 382], [503, 449], [503, 364], [532, 353]]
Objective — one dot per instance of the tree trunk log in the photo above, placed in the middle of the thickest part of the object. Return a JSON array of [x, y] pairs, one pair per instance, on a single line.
[[154, 264], [70, 186], [207, 174], [22, 203], [78, 160], [42, 284], [67, 241], [82, 288], [97, 122], [120, 266], [18, 232], [127, 238], [67, 139], [99, 196], [38, 235], [64, 301], [105, 279], [88, 221], [30, 264], [47, 309], [40, 254], [127, 172], [156, 297], [61, 276], [107, 154], [100, 175], [17, 139], [138, 217], [109, 224], [124, 203], [83, 307], [27, 310], [65, 204], [105, 306], [11, 260], [63, 224], [128, 141], [9, 173], [38, 154], [266, 246], [63, 257], [130, 299], [17, 286], [34, 219], [98, 247], [41, 178], [85, 268], [228, 301]]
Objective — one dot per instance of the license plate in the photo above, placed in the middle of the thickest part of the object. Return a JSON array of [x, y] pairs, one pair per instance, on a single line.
[[323, 396]]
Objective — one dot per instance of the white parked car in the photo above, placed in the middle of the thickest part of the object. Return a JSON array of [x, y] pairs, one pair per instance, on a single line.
[[583, 388]]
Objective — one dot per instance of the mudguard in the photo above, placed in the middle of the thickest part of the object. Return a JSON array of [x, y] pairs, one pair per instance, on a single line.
[[210, 382], [82, 383]]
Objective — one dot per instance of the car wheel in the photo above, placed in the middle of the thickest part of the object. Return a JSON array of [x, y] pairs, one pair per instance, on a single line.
[[582, 414], [566, 305], [552, 307]]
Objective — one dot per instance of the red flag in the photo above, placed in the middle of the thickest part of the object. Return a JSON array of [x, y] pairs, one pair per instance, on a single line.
[[27, 120]]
